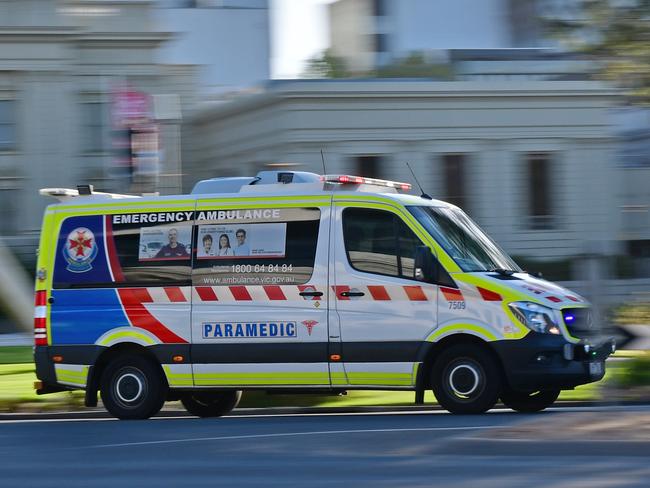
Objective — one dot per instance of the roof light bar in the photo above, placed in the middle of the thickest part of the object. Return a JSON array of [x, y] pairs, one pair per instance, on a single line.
[[360, 180]]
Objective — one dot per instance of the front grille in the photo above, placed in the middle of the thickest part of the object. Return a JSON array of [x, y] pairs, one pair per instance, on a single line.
[[579, 322]]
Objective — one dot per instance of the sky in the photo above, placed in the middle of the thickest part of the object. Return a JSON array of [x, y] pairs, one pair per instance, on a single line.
[[299, 30]]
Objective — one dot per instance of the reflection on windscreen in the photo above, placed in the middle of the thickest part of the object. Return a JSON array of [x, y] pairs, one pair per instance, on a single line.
[[462, 239]]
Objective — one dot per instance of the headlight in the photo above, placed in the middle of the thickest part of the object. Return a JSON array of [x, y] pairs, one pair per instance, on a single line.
[[536, 317]]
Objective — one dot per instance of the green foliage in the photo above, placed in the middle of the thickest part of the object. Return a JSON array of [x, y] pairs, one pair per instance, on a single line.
[[326, 65], [415, 66], [632, 313], [615, 34], [637, 372]]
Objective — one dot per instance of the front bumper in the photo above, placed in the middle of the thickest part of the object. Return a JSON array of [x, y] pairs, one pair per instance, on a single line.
[[545, 361]]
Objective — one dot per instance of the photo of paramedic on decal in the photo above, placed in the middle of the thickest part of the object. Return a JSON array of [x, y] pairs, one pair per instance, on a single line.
[[207, 245], [174, 249], [242, 249], [224, 246]]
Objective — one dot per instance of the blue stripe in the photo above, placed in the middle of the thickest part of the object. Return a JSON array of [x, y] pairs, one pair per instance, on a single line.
[[83, 316]]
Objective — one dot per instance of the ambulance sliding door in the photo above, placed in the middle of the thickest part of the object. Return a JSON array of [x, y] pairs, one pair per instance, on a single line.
[[260, 290]]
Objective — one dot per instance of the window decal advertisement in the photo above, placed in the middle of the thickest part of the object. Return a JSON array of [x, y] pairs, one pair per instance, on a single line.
[[242, 241], [169, 242]]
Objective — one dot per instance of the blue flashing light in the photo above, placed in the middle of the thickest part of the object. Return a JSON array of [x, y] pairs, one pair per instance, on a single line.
[[569, 318]]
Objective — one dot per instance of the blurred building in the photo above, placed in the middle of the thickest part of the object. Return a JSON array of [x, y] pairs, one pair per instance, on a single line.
[[228, 40], [530, 160], [62, 65], [372, 33], [633, 161]]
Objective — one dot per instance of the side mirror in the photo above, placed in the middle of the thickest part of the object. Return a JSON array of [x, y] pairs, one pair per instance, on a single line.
[[425, 266]]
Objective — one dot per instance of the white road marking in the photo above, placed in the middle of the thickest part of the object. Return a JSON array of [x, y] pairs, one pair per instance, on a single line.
[[44, 421], [284, 434], [610, 408]]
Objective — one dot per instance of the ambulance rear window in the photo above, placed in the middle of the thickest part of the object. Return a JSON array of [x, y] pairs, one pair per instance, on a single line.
[[112, 250]]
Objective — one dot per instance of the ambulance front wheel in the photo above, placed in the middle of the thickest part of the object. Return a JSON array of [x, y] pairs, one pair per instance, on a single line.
[[211, 403], [132, 387], [529, 402], [466, 379]]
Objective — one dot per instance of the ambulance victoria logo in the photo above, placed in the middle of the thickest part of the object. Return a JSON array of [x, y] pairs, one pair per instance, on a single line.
[[80, 250]]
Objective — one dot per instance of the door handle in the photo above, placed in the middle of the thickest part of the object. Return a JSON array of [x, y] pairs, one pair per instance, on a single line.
[[352, 294], [311, 293]]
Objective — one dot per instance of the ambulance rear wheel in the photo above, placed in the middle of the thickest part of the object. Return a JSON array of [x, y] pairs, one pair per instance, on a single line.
[[132, 388], [211, 404], [529, 402], [466, 379]]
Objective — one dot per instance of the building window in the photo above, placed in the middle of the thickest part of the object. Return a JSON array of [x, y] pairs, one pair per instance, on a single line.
[[7, 125], [454, 179], [379, 8], [369, 166], [381, 43], [92, 120], [8, 209], [539, 191]]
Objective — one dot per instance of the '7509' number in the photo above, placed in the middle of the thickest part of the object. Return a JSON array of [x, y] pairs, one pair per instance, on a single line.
[[457, 305]]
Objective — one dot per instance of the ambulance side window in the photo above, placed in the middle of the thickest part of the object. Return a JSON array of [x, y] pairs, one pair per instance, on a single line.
[[379, 242], [153, 254], [240, 249]]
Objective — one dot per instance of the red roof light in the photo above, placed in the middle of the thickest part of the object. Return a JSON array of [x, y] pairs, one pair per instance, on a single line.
[[360, 180]]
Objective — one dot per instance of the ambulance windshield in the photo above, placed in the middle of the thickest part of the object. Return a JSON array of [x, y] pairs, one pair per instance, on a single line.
[[463, 240]]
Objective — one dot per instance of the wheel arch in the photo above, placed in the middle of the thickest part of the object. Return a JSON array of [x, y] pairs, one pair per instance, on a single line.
[[431, 353], [95, 372]]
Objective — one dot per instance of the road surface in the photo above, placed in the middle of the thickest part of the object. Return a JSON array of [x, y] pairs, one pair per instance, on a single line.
[[408, 449]]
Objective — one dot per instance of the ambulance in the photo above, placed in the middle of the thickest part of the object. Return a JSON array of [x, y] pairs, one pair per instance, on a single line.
[[295, 282]]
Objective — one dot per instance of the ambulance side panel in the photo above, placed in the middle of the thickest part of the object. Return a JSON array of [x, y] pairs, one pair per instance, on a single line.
[[260, 291]]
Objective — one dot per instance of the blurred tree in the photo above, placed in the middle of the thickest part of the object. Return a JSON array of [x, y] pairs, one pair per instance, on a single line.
[[415, 65], [614, 33], [326, 65]]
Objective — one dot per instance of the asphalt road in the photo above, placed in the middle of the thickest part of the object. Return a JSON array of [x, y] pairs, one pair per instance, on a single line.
[[379, 450]]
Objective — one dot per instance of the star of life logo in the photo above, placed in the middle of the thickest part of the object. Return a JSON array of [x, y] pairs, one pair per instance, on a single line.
[[80, 250]]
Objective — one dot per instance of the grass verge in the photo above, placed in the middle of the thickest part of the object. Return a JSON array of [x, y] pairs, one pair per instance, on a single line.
[[16, 354]]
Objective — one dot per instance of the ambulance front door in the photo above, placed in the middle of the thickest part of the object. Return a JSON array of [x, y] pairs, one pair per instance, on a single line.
[[260, 294], [384, 313]]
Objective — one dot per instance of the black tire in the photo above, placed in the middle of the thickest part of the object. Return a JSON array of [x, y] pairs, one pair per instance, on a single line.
[[466, 379], [529, 402], [212, 403], [132, 387]]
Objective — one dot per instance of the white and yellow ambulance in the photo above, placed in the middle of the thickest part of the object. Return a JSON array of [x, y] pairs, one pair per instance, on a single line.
[[295, 281]]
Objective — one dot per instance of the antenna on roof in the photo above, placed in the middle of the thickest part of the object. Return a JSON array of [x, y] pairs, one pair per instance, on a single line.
[[424, 195], [322, 158]]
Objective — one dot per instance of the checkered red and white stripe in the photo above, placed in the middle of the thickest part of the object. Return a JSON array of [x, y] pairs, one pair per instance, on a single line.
[[271, 293]]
